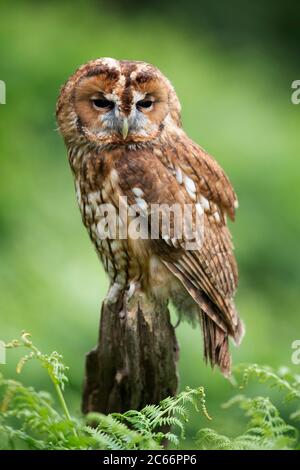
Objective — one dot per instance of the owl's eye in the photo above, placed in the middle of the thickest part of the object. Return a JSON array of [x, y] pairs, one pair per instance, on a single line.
[[102, 103], [144, 104]]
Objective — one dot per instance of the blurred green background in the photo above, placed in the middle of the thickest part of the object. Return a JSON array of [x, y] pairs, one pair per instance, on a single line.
[[232, 66]]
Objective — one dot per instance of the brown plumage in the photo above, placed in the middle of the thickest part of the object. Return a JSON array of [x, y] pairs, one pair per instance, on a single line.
[[121, 124]]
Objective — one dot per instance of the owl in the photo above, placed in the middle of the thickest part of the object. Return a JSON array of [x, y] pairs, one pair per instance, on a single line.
[[120, 121]]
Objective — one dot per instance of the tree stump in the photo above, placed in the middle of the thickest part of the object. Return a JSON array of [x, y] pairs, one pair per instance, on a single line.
[[135, 361]]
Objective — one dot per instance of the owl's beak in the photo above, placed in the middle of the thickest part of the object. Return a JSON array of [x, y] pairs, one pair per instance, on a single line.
[[125, 128]]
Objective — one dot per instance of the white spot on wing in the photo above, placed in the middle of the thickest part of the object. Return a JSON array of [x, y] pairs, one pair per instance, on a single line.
[[189, 185], [205, 203], [178, 174], [141, 203], [191, 194], [217, 216], [138, 192]]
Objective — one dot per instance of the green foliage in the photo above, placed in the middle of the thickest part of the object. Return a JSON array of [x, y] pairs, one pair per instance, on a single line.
[[52, 363], [286, 381], [30, 419], [171, 412], [265, 428], [146, 429]]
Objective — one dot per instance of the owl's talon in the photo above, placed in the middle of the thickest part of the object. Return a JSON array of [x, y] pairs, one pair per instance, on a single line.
[[132, 289], [113, 294]]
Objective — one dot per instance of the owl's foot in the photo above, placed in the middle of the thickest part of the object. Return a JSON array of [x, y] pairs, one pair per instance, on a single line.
[[133, 287], [114, 294]]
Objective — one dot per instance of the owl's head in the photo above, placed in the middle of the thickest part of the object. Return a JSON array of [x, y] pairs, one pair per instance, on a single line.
[[108, 101]]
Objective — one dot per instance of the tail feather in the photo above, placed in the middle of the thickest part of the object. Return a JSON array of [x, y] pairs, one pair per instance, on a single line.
[[216, 347]]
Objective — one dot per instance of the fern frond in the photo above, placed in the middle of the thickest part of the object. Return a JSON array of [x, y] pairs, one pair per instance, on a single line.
[[265, 428], [283, 379], [208, 439]]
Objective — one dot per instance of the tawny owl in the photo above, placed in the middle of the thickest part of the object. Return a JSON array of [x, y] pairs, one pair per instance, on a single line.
[[120, 121]]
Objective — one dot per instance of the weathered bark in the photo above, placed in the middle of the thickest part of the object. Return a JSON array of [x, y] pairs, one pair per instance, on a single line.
[[134, 363]]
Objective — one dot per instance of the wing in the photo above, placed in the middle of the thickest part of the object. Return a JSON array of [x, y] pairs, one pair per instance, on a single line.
[[183, 173]]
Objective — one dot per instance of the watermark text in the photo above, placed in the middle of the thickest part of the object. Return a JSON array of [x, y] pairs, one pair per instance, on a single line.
[[295, 97]]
